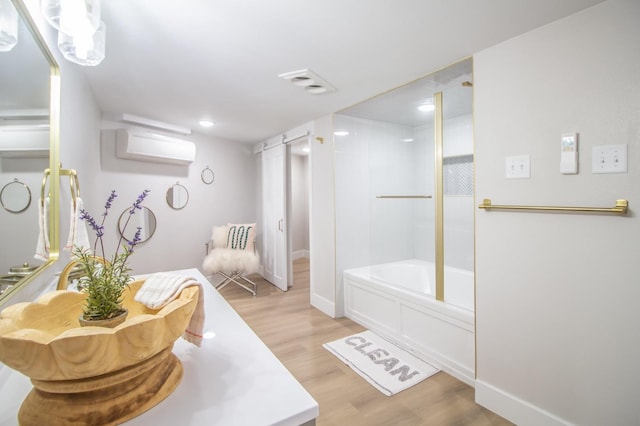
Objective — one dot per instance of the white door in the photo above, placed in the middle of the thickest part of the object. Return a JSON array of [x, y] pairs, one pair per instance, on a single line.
[[274, 216]]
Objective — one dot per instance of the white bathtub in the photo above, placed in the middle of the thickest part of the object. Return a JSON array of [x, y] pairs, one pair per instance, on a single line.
[[397, 300]]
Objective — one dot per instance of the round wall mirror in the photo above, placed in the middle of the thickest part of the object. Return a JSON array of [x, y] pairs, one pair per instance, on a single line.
[[143, 219], [177, 196], [15, 196], [207, 175]]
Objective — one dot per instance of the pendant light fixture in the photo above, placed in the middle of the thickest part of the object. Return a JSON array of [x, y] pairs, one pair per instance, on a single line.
[[81, 33], [8, 26]]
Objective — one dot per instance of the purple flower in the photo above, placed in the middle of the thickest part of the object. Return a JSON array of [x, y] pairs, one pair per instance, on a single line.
[[84, 215], [99, 228], [138, 202], [107, 205], [136, 239]]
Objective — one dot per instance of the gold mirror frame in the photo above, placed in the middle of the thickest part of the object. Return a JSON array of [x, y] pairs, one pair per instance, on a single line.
[[54, 154]]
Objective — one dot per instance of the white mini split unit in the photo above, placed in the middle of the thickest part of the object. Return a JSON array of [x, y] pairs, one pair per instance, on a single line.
[[24, 141], [144, 146]]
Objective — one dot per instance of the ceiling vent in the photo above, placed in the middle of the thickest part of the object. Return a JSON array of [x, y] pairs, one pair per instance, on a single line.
[[309, 81]]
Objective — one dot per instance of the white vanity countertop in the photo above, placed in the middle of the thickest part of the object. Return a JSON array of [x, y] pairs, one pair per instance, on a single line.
[[232, 379]]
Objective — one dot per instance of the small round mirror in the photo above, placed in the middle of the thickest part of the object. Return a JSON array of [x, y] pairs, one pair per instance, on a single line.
[[207, 175], [15, 196], [144, 219], [177, 196]]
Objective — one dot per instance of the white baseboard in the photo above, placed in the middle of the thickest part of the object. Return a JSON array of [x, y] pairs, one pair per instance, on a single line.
[[513, 408], [299, 254], [323, 305]]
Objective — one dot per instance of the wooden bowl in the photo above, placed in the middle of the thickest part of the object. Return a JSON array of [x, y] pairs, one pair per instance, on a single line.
[[44, 340]]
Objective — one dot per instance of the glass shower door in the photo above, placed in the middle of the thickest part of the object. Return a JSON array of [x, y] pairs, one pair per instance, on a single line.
[[457, 195]]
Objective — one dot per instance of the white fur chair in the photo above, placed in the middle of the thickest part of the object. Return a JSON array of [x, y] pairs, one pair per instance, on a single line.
[[231, 253]]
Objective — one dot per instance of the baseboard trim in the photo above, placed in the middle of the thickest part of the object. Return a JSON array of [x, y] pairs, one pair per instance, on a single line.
[[323, 305], [300, 254], [513, 408]]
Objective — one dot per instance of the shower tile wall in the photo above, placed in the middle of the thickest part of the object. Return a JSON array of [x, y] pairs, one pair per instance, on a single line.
[[459, 208], [372, 160]]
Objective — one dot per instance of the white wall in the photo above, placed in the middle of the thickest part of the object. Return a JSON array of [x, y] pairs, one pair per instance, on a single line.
[[557, 294], [322, 219], [300, 205], [181, 234]]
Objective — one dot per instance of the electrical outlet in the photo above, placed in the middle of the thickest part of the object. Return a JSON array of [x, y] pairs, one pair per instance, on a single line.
[[518, 167], [609, 159]]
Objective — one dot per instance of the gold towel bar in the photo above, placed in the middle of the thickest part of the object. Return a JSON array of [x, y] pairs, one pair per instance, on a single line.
[[74, 184], [621, 207], [403, 196]]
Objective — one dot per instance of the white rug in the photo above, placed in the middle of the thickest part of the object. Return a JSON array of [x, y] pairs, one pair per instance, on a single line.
[[380, 362]]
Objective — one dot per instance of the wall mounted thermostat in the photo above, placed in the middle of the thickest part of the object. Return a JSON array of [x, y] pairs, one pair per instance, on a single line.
[[569, 154]]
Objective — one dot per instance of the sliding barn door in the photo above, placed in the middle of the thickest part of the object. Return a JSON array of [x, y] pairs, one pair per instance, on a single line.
[[274, 215]]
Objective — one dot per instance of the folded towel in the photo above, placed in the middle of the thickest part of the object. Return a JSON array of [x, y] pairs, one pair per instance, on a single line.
[[78, 236], [42, 247], [161, 288]]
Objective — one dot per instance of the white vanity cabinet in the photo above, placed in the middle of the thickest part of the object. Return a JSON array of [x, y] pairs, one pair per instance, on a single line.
[[232, 379]]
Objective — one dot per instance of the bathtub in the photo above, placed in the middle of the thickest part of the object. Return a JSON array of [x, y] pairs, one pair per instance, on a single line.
[[397, 300]]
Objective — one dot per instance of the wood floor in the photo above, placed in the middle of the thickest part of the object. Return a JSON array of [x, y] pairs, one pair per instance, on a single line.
[[295, 332]]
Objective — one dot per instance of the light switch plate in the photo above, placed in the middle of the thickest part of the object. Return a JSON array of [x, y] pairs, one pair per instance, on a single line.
[[518, 167], [609, 159]]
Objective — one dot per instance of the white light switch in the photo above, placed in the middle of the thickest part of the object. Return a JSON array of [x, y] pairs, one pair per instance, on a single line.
[[518, 167], [609, 159]]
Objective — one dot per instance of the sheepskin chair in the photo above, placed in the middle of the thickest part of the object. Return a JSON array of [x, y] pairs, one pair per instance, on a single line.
[[231, 254]]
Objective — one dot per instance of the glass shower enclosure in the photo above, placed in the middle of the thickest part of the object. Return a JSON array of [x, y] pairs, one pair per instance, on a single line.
[[404, 182]]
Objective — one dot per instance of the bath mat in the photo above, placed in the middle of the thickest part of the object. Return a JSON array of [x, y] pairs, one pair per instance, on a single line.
[[381, 363]]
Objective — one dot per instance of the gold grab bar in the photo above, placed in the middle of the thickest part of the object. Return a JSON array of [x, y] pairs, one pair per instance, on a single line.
[[403, 196], [621, 207]]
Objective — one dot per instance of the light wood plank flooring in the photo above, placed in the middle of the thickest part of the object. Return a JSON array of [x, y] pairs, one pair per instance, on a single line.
[[295, 332]]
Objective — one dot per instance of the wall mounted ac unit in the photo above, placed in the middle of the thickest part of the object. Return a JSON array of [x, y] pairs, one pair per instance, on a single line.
[[143, 146], [24, 141]]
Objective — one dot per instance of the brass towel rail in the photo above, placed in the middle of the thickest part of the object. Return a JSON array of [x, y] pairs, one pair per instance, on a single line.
[[74, 184], [403, 196], [621, 207], [45, 177]]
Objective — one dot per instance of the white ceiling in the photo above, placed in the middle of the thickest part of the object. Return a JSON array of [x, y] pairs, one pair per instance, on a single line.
[[179, 62]]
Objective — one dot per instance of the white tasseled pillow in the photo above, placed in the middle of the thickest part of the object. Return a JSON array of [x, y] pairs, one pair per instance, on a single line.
[[219, 236]]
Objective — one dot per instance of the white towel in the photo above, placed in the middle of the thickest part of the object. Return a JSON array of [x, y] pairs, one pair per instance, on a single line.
[[78, 236], [161, 288], [42, 247]]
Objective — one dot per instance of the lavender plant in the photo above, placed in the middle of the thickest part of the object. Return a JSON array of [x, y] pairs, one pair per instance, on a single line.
[[105, 280]]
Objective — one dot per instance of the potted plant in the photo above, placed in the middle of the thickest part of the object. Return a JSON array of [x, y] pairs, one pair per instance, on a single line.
[[104, 280]]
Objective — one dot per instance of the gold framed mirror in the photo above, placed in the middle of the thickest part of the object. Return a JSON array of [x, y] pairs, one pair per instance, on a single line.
[[177, 196], [143, 224], [15, 197], [29, 110]]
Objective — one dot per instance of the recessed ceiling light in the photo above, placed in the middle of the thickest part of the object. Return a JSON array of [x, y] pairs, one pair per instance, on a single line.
[[206, 123], [406, 140], [341, 133], [427, 107], [306, 149]]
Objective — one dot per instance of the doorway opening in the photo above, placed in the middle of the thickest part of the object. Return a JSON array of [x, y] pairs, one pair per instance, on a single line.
[[298, 185]]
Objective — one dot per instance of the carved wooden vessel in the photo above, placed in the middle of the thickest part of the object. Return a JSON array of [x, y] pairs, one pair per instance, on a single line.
[[93, 375]]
